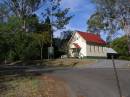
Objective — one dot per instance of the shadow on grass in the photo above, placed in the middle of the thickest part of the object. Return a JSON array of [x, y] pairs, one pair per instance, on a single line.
[[33, 68], [21, 70], [28, 69]]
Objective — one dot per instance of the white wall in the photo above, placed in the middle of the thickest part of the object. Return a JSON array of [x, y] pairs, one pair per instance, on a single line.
[[96, 50], [81, 42]]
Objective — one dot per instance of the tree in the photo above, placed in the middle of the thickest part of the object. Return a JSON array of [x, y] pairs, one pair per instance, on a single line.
[[58, 17], [41, 39], [4, 46], [113, 14], [66, 35], [33, 22], [15, 44], [24, 9], [4, 12], [12, 25], [121, 47], [95, 23]]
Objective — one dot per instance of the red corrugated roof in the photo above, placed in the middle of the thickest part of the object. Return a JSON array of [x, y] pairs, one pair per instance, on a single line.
[[76, 45], [90, 37]]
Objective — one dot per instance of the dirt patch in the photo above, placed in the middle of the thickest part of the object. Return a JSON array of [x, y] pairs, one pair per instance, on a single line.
[[54, 87], [52, 62], [67, 62], [41, 86]]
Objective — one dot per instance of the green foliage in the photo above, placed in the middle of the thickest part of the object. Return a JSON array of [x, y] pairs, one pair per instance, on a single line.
[[113, 14], [22, 36], [95, 23], [13, 25], [20, 46], [44, 27], [59, 17], [125, 57], [120, 45], [41, 39]]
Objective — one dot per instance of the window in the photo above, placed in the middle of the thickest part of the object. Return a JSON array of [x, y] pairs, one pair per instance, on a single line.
[[98, 48], [90, 48], [94, 48], [102, 48]]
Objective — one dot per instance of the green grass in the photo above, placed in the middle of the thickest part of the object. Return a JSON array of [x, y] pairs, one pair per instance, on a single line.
[[20, 87]]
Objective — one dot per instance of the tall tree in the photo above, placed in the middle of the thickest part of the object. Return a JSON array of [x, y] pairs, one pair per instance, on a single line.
[[12, 25], [65, 37], [41, 39], [121, 47], [58, 17], [4, 12], [24, 8], [113, 14], [95, 23]]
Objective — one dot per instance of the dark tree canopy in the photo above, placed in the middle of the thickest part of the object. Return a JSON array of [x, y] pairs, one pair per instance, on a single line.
[[23, 36], [120, 45]]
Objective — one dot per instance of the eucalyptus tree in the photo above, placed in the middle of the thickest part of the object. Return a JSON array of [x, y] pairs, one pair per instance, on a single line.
[[24, 8], [113, 15], [95, 23], [4, 12], [58, 17], [41, 39]]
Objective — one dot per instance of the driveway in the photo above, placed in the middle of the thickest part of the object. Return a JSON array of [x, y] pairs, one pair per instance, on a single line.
[[97, 80], [104, 63]]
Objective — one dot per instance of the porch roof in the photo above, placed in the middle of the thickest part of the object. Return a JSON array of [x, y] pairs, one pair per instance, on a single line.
[[111, 51], [76, 45]]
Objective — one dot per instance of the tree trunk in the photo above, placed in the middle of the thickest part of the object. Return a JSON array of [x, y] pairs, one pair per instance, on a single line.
[[41, 53], [24, 26]]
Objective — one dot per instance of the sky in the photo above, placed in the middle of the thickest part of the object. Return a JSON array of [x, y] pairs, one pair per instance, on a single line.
[[81, 9]]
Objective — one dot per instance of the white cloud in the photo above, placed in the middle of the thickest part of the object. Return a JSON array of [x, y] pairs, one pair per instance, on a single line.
[[77, 5], [74, 5], [68, 27], [82, 10]]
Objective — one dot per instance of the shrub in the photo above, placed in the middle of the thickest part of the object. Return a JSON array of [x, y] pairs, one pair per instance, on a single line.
[[125, 57]]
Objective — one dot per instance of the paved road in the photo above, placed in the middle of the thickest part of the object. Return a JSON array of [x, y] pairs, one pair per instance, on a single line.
[[94, 81], [103, 63]]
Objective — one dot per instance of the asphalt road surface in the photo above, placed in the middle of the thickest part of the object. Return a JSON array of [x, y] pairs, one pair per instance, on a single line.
[[94, 81]]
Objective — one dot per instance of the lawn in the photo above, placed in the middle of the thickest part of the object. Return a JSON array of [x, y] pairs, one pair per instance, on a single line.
[[54, 62], [19, 87], [31, 86], [16, 82]]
